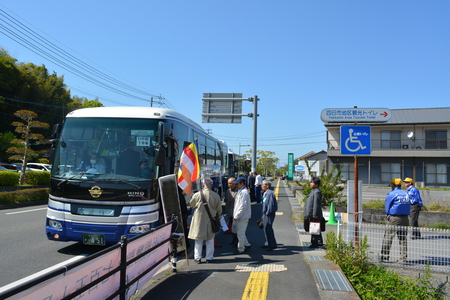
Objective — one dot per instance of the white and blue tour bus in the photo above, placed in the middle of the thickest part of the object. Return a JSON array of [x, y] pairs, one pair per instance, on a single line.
[[106, 162]]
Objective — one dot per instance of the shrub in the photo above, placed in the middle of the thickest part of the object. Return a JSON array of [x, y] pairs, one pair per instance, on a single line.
[[25, 195], [9, 178], [331, 186], [37, 177], [373, 282]]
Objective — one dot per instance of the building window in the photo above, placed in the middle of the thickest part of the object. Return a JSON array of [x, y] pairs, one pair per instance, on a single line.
[[436, 173], [347, 171], [389, 171], [390, 139], [436, 139]]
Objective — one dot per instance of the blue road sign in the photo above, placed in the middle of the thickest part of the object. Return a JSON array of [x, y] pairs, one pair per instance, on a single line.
[[356, 140], [299, 168]]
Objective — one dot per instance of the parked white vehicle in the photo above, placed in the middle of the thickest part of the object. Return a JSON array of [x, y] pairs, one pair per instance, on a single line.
[[39, 167]]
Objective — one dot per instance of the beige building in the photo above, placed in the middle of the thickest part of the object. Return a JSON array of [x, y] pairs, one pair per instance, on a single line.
[[413, 143]]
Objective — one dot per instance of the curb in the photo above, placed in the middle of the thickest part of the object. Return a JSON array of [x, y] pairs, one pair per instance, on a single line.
[[320, 265]]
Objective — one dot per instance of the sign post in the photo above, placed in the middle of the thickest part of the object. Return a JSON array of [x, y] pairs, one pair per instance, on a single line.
[[290, 169], [227, 108], [355, 140]]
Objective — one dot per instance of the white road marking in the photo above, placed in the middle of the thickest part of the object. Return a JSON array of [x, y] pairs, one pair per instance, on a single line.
[[25, 211]]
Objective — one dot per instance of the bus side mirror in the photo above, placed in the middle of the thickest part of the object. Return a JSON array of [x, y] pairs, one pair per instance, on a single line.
[[161, 152]]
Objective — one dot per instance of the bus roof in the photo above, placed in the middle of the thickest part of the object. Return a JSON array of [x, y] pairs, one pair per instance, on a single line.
[[136, 112]]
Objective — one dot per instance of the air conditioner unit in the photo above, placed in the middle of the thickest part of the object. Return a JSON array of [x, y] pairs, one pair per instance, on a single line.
[[405, 146]]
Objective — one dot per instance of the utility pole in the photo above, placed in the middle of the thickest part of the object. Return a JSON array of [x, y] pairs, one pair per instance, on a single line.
[[227, 108], [160, 101], [255, 130]]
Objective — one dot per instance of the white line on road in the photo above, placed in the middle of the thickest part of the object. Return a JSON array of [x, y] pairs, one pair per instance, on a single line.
[[24, 211]]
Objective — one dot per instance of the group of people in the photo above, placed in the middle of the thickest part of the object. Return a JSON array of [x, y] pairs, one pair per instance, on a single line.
[[401, 207], [238, 208], [254, 186]]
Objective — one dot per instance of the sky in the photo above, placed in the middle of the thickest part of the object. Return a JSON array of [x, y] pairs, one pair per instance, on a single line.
[[299, 57]]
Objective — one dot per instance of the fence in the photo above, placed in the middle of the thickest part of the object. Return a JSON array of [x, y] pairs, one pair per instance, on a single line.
[[432, 248], [114, 273]]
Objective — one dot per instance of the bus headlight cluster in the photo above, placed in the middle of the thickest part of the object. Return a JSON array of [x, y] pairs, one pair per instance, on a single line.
[[140, 228], [54, 224]]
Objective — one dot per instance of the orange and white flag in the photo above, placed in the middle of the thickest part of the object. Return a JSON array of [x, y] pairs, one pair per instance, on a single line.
[[189, 170]]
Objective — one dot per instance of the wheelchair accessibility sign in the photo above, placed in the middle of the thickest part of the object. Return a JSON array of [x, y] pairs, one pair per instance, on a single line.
[[355, 140]]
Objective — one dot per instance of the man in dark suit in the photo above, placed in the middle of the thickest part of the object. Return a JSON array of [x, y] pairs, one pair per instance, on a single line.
[[313, 211], [251, 186]]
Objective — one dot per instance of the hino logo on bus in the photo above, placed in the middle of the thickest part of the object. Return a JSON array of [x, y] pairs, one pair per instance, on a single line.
[[95, 191], [135, 194]]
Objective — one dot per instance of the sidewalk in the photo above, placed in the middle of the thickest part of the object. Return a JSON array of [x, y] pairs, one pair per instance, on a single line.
[[294, 270]]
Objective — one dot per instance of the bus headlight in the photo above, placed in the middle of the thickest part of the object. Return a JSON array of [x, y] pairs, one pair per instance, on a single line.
[[54, 224], [140, 228]]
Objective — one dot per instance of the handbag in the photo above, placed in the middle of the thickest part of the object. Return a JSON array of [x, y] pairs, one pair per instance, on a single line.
[[314, 228], [215, 222], [260, 223], [307, 222]]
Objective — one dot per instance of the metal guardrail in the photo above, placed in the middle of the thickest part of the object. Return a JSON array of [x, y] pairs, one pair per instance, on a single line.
[[95, 277], [432, 248]]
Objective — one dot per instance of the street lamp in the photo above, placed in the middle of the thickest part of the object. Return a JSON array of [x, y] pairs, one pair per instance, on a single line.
[[242, 146]]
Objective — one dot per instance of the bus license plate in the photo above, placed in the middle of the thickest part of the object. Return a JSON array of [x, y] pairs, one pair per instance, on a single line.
[[93, 239]]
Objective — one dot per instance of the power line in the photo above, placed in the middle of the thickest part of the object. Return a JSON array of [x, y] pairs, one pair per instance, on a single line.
[[36, 43]]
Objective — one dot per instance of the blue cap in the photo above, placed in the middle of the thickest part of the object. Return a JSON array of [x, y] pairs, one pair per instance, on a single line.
[[239, 180]]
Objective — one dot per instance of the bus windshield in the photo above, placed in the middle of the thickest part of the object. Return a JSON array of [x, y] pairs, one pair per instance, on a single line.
[[106, 149]]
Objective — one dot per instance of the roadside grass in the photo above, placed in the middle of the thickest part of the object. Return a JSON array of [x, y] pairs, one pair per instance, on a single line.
[[432, 207], [374, 282]]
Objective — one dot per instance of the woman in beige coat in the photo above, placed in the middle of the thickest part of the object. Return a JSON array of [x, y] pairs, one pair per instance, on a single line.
[[200, 229]]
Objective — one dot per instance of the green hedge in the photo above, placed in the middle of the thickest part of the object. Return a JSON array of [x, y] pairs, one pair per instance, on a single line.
[[9, 178], [25, 195], [37, 177]]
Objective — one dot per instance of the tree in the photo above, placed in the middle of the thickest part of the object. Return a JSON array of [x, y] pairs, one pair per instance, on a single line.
[[5, 142], [331, 186], [41, 90], [83, 102], [9, 74], [92, 103], [282, 170], [27, 136], [266, 162]]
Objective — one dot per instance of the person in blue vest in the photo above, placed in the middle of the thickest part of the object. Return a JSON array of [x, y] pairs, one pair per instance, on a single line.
[[269, 208], [416, 205], [397, 207]]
